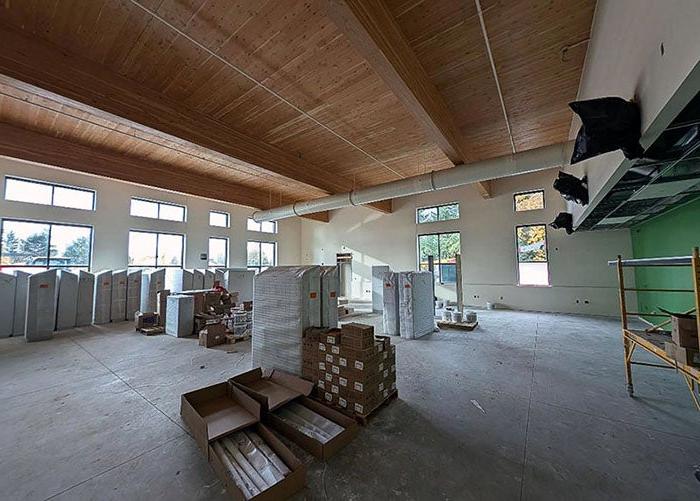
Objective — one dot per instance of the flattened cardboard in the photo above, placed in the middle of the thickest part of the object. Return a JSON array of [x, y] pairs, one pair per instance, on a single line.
[[274, 390], [310, 445]]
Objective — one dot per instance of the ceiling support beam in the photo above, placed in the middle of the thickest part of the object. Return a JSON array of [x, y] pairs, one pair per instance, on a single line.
[[372, 30], [32, 146], [46, 70]]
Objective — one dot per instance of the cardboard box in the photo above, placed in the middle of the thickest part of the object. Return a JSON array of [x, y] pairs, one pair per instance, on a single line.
[[684, 331], [212, 335], [685, 356], [357, 336], [146, 319], [332, 337], [274, 389], [213, 412], [162, 305]]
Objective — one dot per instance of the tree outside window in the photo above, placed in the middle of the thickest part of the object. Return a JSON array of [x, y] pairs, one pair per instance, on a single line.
[[444, 248]]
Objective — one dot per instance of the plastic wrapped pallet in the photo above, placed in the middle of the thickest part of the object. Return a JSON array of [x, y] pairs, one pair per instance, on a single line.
[[133, 293], [329, 296], [179, 316], [197, 280], [287, 302], [416, 304], [20, 315], [219, 276], [119, 286], [41, 306], [86, 292], [390, 303], [208, 279], [178, 280], [67, 307], [378, 287], [240, 281], [103, 297], [8, 289], [151, 282]]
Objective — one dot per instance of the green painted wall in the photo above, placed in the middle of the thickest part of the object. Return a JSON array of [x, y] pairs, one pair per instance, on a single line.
[[672, 234]]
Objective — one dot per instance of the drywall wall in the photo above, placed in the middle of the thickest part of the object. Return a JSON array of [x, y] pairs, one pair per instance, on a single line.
[[672, 234], [578, 263], [111, 221], [642, 49]]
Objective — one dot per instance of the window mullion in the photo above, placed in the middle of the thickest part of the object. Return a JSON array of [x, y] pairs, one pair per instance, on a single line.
[[157, 244], [48, 246]]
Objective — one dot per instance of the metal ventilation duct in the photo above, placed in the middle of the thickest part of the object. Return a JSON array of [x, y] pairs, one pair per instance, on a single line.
[[547, 157]]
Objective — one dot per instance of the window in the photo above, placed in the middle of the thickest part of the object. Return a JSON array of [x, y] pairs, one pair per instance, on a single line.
[[220, 219], [218, 252], [157, 210], [28, 245], [39, 192], [155, 250], [532, 254], [530, 200], [438, 213], [261, 255], [444, 248], [266, 227]]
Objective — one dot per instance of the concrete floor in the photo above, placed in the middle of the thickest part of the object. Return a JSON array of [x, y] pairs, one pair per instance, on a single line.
[[529, 406]]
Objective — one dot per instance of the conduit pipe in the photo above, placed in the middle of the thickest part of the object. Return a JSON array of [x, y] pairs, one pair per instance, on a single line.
[[534, 160]]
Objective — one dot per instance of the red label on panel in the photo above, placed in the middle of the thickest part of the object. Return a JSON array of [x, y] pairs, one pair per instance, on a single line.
[[43, 286], [333, 294], [407, 286], [312, 295]]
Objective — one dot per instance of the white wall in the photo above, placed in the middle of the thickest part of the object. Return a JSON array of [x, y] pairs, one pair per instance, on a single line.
[[111, 221], [578, 268]]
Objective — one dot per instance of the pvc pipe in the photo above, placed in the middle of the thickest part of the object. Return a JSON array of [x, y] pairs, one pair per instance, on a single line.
[[546, 157]]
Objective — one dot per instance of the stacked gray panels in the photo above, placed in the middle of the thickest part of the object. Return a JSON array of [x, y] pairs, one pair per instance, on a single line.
[[378, 287], [103, 297], [41, 306], [151, 282], [390, 303], [287, 302], [133, 293], [178, 280], [20, 315], [416, 304], [8, 289], [330, 283], [187, 280], [119, 285], [86, 293], [197, 280], [219, 277], [67, 308], [179, 316], [208, 279], [240, 281]]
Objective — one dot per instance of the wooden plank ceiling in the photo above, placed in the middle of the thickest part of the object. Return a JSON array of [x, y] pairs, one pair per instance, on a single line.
[[289, 107]]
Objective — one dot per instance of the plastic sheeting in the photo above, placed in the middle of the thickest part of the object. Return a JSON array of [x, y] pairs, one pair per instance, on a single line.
[[390, 300], [86, 292], [8, 289], [287, 302], [133, 293], [378, 287], [119, 286], [309, 423], [67, 308], [208, 279], [240, 281], [330, 283], [179, 316], [197, 280], [41, 306], [178, 280], [151, 282], [219, 277], [103, 297], [20, 315], [417, 316]]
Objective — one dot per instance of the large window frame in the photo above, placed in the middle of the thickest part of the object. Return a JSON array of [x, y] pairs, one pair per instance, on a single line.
[[530, 192], [438, 260], [251, 225], [158, 235], [438, 209], [49, 258], [220, 213], [159, 204], [260, 267], [520, 261], [217, 265], [53, 187]]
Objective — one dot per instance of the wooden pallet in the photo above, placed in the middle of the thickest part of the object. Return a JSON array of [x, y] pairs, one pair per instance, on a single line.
[[463, 326], [151, 331], [231, 339], [363, 419]]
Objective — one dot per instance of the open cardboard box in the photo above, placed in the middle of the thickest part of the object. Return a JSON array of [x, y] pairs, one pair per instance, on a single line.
[[219, 410], [278, 389]]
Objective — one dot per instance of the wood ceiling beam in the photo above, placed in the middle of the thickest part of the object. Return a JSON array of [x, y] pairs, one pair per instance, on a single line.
[[47, 70], [33, 146], [373, 32]]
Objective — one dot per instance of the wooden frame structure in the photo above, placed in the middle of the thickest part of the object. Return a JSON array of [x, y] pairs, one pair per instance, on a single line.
[[652, 339]]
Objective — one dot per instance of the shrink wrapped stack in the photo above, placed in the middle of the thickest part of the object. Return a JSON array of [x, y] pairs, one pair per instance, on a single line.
[[151, 282], [119, 287], [219, 277], [240, 281], [378, 287], [20, 314], [179, 316], [330, 283], [208, 279], [133, 293], [390, 300], [197, 280], [41, 306], [287, 302], [103, 297], [86, 291], [8, 289], [417, 316], [67, 308], [178, 280]]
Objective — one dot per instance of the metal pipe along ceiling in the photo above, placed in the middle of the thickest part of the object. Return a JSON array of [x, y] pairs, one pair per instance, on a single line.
[[546, 157]]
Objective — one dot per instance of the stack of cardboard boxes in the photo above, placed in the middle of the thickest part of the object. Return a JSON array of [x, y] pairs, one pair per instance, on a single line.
[[684, 348], [356, 371]]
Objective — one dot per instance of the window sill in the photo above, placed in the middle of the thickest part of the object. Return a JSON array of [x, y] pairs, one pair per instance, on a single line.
[[537, 286]]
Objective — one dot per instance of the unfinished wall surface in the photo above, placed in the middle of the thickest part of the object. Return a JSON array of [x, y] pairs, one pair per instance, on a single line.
[[577, 263], [671, 234], [111, 221]]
